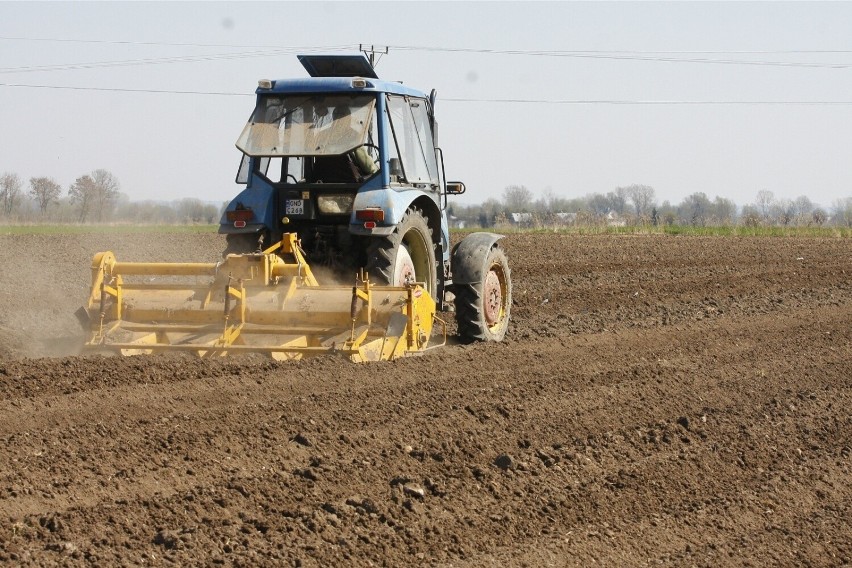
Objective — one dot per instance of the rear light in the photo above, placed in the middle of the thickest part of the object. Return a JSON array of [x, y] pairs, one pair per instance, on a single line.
[[372, 214], [240, 215], [370, 225], [239, 224]]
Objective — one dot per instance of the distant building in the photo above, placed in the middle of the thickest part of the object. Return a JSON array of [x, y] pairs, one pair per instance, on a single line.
[[457, 222]]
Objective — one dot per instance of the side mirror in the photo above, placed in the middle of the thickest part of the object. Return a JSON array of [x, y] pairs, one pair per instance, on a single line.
[[455, 188]]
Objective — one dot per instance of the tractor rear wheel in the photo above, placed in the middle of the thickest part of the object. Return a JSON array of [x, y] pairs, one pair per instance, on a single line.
[[407, 254], [482, 308]]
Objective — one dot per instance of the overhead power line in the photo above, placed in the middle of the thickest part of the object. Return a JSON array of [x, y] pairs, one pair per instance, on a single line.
[[530, 52], [463, 100], [120, 90], [147, 61], [563, 52], [181, 44], [643, 102], [655, 56], [271, 51], [664, 56]]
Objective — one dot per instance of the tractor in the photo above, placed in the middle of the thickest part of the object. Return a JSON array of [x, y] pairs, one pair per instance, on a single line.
[[343, 177]]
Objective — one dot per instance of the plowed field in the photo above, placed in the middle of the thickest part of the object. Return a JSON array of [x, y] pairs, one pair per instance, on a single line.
[[659, 400]]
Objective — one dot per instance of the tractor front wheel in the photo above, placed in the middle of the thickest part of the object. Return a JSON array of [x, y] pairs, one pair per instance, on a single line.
[[482, 308]]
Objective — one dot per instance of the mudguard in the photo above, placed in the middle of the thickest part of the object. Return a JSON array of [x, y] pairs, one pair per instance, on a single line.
[[468, 258], [260, 200]]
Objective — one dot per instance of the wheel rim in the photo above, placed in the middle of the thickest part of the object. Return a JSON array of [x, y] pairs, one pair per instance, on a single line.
[[495, 292], [404, 270], [413, 262]]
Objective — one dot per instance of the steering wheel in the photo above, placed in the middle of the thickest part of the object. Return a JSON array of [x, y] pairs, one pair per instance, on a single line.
[[291, 176]]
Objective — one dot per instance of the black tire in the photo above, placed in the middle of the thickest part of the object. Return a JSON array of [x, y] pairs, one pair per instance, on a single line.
[[412, 235], [482, 309], [241, 243]]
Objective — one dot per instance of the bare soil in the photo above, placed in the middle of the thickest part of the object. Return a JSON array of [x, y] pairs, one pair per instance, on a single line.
[[659, 400]]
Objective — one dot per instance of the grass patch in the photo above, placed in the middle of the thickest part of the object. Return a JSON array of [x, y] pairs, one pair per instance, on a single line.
[[75, 229], [685, 230], [814, 232]]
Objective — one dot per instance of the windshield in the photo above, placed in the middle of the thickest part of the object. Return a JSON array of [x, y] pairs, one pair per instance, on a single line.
[[307, 125]]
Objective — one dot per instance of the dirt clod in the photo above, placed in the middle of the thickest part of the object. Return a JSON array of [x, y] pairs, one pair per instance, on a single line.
[[504, 462]]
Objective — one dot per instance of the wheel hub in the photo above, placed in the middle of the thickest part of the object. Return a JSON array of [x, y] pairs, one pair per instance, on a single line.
[[493, 297], [404, 270]]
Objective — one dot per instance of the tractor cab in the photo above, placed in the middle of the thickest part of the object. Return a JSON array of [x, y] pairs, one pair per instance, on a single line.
[[337, 158], [313, 138], [331, 137]]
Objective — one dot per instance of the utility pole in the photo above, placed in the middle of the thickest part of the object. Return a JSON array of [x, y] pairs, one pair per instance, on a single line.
[[371, 51]]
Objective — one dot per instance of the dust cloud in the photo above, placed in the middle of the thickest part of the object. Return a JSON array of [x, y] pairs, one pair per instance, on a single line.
[[47, 278]]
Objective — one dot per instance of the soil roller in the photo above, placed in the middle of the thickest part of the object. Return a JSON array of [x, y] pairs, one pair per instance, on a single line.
[[265, 302]]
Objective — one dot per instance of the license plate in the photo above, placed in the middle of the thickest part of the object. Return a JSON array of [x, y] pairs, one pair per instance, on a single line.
[[294, 206]]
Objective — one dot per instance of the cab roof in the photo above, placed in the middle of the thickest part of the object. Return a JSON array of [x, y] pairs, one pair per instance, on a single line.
[[335, 74], [315, 85]]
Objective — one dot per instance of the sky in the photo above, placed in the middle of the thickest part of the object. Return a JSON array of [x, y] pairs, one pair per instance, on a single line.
[[565, 98]]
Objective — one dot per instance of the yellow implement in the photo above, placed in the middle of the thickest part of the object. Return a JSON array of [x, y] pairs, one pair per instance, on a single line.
[[267, 302]]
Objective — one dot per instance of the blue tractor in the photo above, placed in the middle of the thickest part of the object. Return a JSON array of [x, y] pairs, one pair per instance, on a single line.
[[351, 165]]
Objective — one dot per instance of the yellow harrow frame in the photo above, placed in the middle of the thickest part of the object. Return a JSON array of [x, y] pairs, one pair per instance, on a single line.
[[267, 302]]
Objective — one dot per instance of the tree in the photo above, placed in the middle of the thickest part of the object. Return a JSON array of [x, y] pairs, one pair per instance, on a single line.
[[10, 191], [489, 211], [667, 213], [802, 209], [599, 204], [83, 192], [617, 200], [106, 191], [642, 197], [764, 202], [695, 209], [550, 202], [45, 191], [517, 198], [750, 216], [842, 210], [193, 210], [724, 211], [783, 211], [148, 212]]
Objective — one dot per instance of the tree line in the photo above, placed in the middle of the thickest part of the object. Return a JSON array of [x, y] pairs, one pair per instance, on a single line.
[[637, 205], [94, 197]]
